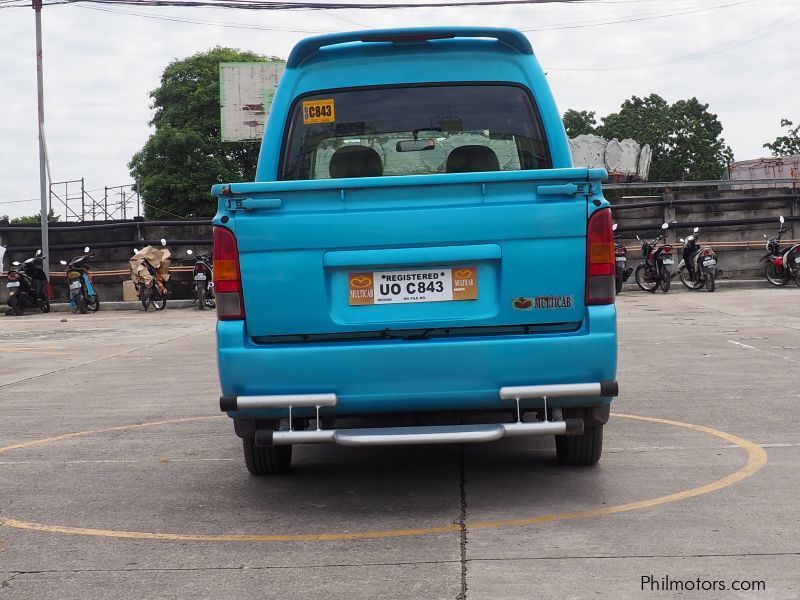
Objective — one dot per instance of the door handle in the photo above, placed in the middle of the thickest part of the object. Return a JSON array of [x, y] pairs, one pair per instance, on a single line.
[[261, 203]]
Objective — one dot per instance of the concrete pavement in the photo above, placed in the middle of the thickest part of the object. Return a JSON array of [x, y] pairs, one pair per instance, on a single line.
[[169, 511]]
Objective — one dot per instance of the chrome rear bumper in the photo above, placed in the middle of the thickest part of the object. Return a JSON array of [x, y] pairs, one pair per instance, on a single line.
[[439, 434]]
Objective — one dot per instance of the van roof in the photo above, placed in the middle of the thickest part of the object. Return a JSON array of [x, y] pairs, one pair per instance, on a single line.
[[305, 48]]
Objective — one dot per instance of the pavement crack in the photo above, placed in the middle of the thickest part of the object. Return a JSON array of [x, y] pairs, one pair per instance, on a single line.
[[6, 583], [236, 568], [462, 523]]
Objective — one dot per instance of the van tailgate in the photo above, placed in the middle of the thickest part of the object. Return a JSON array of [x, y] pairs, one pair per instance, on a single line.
[[403, 253]]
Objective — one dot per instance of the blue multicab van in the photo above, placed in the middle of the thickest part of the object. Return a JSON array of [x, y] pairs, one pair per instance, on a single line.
[[418, 261]]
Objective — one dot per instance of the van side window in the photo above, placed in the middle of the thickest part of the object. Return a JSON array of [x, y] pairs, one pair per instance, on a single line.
[[413, 130]]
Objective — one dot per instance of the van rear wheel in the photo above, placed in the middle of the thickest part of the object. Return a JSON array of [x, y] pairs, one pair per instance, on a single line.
[[269, 460], [580, 450]]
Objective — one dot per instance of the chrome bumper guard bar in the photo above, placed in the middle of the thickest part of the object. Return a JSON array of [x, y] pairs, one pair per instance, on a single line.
[[439, 434]]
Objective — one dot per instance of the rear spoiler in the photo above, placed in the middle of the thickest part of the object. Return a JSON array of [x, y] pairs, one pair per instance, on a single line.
[[309, 46]]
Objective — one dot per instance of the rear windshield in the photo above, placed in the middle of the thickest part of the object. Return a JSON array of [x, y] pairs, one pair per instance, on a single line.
[[414, 131]]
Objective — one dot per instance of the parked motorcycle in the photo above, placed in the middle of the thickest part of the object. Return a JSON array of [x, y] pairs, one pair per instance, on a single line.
[[622, 270], [698, 268], [27, 286], [655, 271], [150, 273], [82, 294], [203, 280], [783, 264]]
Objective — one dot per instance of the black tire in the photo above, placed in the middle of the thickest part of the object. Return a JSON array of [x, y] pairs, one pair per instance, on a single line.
[[683, 274], [201, 296], [17, 308], [144, 296], [772, 275], [80, 300], [711, 281], [618, 283], [666, 281], [159, 300], [638, 275], [270, 460], [95, 306], [580, 450]]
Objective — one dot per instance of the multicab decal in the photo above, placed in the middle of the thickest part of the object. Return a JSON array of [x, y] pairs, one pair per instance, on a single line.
[[536, 302], [423, 285]]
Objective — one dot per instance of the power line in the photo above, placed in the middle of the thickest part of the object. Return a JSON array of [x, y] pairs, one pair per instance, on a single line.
[[633, 19], [277, 5], [200, 21], [19, 201], [746, 39]]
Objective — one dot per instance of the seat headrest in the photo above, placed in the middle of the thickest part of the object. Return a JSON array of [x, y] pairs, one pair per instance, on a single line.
[[471, 159], [355, 161]]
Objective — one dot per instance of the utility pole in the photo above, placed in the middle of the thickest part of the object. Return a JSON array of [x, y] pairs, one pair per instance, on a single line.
[[37, 7]]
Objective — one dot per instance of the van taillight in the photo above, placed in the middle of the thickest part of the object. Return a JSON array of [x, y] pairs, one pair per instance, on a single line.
[[600, 258], [227, 277]]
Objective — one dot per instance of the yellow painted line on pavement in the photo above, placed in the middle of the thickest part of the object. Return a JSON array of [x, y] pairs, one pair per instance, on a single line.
[[756, 459], [66, 436]]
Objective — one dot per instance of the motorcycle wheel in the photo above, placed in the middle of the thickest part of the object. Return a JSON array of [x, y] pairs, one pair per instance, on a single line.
[[144, 297], [647, 286], [17, 308], [80, 300], [711, 281], [201, 296], [774, 276], [44, 305], [683, 273], [159, 301], [95, 306], [618, 283], [666, 281]]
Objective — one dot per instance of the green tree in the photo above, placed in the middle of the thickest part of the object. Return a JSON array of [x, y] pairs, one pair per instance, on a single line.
[[579, 122], [185, 156], [786, 145], [33, 219], [685, 137]]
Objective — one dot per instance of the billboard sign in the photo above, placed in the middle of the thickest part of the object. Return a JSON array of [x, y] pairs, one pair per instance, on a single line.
[[245, 96]]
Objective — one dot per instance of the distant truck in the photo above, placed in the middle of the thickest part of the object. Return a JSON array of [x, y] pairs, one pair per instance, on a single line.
[[417, 255]]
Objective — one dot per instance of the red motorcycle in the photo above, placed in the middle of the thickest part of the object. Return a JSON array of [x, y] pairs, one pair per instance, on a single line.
[[783, 264], [657, 266]]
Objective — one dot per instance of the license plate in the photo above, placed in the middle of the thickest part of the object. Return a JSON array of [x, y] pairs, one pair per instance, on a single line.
[[668, 261], [621, 259], [75, 285], [12, 284], [200, 277], [709, 261], [422, 285]]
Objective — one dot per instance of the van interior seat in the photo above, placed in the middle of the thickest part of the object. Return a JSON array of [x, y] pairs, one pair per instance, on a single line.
[[355, 161], [471, 159]]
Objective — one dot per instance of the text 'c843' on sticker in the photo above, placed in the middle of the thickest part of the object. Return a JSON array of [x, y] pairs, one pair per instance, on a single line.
[[319, 111]]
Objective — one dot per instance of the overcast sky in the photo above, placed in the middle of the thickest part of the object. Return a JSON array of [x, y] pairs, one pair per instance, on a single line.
[[739, 56]]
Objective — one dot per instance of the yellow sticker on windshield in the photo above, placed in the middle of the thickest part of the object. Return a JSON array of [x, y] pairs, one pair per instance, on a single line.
[[318, 111]]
